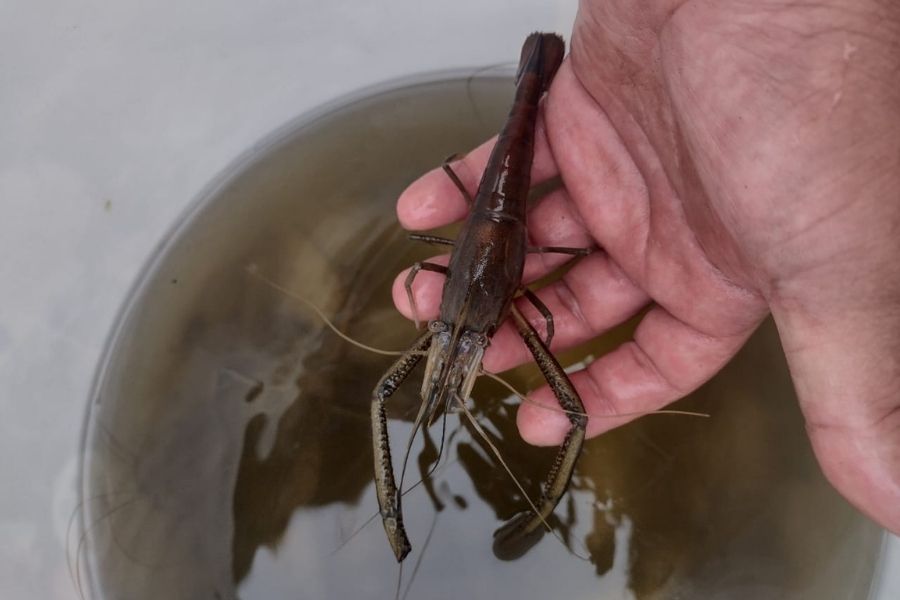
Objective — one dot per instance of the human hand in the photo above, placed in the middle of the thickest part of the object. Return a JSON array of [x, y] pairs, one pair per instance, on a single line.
[[730, 159]]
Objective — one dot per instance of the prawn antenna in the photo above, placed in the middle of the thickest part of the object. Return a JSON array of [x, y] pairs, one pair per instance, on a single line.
[[525, 399], [253, 271], [496, 452]]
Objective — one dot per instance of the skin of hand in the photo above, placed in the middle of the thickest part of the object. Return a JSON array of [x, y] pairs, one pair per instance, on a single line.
[[731, 159]]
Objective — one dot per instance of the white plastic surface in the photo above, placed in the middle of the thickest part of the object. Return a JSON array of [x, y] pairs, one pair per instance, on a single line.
[[113, 115]]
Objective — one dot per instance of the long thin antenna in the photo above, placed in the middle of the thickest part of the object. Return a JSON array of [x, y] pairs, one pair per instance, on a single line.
[[253, 270], [527, 400], [487, 440]]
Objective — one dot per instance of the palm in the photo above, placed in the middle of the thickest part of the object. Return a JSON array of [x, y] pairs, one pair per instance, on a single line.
[[749, 127]]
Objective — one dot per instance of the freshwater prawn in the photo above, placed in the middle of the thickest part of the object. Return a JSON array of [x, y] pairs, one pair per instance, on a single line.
[[483, 278]]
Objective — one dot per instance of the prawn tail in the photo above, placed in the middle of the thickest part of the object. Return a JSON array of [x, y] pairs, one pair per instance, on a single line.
[[542, 54]]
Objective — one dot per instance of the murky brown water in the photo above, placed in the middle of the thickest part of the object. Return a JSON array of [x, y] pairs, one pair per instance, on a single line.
[[228, 449]]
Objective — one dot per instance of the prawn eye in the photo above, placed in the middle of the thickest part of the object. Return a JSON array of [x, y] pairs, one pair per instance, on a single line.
[[437, 326]]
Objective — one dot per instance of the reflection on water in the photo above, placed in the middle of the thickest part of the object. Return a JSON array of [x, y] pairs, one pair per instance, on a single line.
[[228, 450]]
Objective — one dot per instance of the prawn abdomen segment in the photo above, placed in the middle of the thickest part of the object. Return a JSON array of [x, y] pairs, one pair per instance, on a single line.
[[507, 177]]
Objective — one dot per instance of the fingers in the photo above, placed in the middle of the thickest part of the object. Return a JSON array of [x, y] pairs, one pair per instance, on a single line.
[[591, 298], [554, 223], [433, 200], [666, 360]]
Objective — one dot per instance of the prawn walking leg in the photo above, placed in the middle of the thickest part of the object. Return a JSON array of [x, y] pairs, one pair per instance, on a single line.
[[545, 312], [419, 266], [431, 239], [455, 178]]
